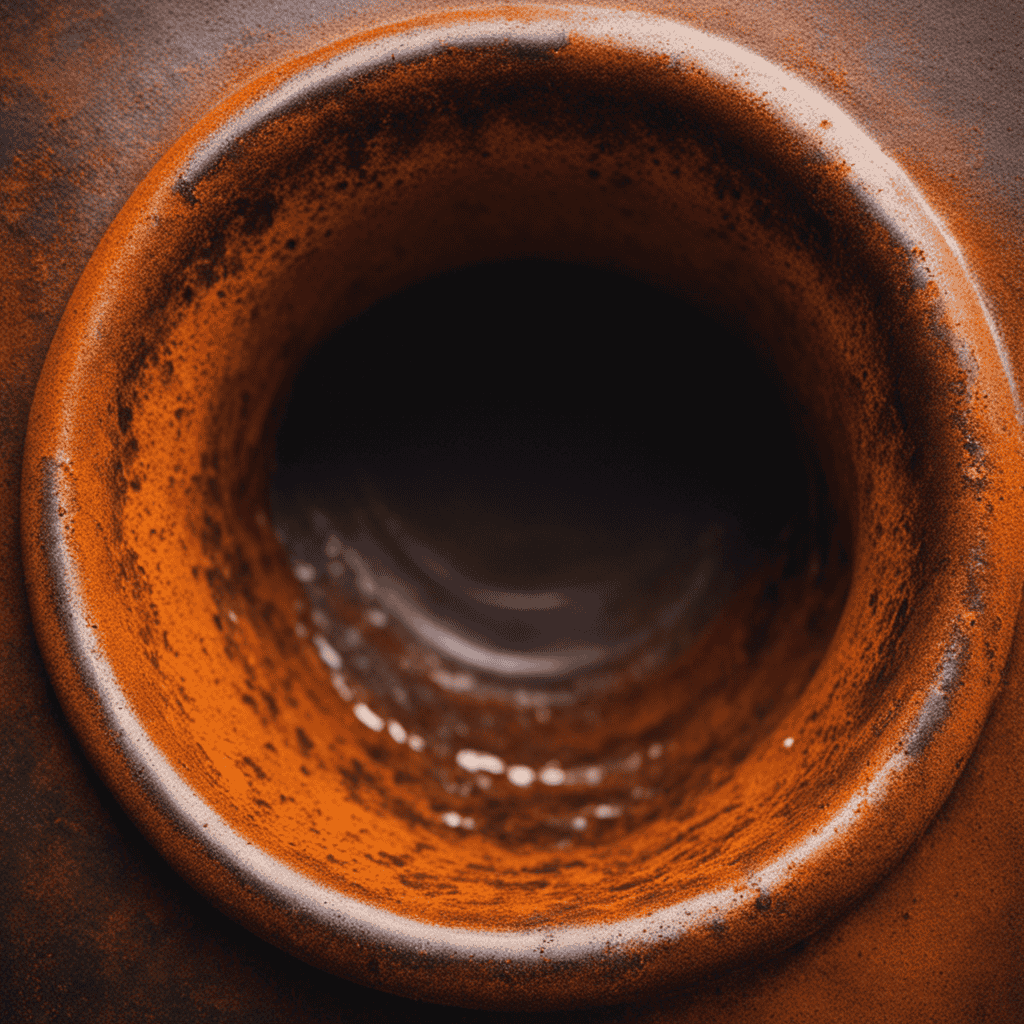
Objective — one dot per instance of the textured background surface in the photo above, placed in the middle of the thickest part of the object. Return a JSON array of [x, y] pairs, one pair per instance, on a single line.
[[92, 924]]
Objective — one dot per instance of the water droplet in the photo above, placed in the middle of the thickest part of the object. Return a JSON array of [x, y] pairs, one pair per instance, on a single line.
[[369, 718], [304, 572], [521, 775], [328, 655], [338, 681], [479, 761], [454, 682]]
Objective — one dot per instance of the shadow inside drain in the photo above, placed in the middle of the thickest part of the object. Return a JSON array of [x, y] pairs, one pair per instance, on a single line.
[[516, 495]]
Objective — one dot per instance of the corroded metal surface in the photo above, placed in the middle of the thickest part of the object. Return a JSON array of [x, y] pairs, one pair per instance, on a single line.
[[829, 950]]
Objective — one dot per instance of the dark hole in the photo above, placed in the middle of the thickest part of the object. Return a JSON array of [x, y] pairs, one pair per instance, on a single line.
[[521, 427]]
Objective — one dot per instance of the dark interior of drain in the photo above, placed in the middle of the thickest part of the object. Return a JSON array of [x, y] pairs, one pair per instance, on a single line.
[[534, 461], [520, 496]]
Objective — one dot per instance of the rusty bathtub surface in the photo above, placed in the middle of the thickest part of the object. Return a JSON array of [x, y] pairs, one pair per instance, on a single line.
[[96, 925]]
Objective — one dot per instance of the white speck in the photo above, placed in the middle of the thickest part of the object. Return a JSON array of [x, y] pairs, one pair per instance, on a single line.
[[788, 742], [369, 718], [579, 823], [483, 781], [654, 751], [397, 732], [364, 581], [468, 823], [320, 619], [338, 681], [328, 655], [454, 682], [335, 570], [521, 775], [304, 572], [232, 617], [478, 761], [452, 819], [333, 547], [300, 630], [417, 743], [633, 762], [377, 618], [605, 811], [594, 775], [552, 775], [351, 637], [543, 715]]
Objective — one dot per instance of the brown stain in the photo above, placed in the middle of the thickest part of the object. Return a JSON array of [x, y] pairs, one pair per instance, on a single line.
[[986, 858]]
